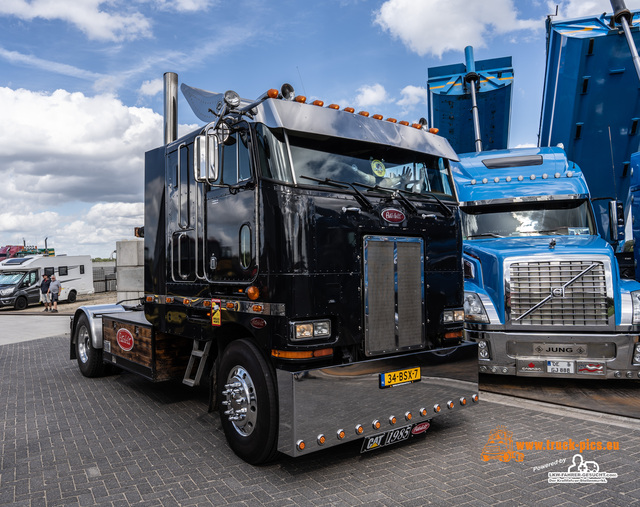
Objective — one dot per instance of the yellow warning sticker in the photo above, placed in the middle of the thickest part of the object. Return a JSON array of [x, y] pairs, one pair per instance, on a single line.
[[216, 318]]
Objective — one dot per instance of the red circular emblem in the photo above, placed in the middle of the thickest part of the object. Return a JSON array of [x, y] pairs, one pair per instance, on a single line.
[[124, 339], [393, 215], [258, 322], [420, 428]]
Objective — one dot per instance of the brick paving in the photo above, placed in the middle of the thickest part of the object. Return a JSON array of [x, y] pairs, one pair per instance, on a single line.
[[121, 440]]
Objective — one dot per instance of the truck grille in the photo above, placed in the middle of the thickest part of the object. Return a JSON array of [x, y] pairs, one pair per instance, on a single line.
[[558, 292], [394, 294]]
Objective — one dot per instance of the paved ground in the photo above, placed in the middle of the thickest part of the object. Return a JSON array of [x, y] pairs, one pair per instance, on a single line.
[[120, 440]]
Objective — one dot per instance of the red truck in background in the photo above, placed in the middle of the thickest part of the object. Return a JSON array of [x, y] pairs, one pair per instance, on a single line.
[[6, 252]]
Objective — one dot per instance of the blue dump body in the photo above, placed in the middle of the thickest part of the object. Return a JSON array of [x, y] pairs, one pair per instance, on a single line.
[[450, 103], [543, 293], [591, 104]]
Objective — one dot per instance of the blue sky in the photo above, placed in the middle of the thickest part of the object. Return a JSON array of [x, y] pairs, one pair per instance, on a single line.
[[81, 84]]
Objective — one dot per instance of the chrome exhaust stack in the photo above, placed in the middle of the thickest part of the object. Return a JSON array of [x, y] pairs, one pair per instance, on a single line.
[[170, 107]]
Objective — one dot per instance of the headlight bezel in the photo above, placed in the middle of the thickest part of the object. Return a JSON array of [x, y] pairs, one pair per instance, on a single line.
[[311, 330], [474, 309]]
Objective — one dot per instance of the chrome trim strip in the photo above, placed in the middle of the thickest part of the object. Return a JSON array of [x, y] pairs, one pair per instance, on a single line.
[[626, 309], [526, 198], [489, 308]]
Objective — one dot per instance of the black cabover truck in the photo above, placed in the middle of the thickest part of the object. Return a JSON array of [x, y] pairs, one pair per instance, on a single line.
[[305, 262]]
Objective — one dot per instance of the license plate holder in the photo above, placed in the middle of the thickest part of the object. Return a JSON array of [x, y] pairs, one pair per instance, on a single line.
[[399, 377], [560, 366]]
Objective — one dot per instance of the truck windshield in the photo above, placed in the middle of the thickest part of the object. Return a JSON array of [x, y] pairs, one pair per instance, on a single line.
[[10, 277], [348, 161], [527, 219]]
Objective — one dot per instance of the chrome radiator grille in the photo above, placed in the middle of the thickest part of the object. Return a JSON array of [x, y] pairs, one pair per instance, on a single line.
[[558, 292], [394, 294]]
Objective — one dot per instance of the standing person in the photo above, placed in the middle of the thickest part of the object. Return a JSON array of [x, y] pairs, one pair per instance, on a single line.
[[44, 290], [54, 291]]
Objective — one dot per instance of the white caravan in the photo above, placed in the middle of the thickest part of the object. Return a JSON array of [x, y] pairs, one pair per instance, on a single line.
[[20, 278]]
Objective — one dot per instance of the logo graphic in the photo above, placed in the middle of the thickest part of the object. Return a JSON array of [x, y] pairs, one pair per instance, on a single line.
[[258, 322], [591, 368], [420, 428], [124, 339], [500, 446], [393, 216], [581, 471], [378, 168]]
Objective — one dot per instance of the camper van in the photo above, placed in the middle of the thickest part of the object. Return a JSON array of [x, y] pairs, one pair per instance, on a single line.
[[20, 278]]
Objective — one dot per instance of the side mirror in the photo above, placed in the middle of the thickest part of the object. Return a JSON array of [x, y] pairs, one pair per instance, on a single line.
[[616, 220], [205, 154]]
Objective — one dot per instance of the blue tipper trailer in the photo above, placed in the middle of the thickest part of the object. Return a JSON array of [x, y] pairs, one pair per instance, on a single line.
[[591, 105], [450, 101]]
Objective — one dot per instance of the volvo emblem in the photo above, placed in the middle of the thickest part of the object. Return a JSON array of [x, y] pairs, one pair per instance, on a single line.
[[558, 292], [393, 215]]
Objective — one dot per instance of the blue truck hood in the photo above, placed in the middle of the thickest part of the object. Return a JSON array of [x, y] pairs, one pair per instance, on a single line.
[[488, 256]]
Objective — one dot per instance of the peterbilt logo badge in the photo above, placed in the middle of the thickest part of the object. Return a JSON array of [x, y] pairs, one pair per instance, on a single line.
[[393, 215], [124, 339]]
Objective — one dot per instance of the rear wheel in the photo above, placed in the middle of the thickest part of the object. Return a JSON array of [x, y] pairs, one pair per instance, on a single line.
[[248, 404], [21, 303], [72, 296], [89, 357]]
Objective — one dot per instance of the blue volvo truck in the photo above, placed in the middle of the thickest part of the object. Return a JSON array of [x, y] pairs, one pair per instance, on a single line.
[[543, 294]]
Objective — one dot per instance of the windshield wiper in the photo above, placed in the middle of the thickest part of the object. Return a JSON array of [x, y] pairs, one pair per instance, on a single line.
[[394, 194], [485, 234], [343, 184], [429, 194]]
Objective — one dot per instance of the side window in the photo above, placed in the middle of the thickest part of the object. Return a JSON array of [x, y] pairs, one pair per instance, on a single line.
[[63, 270], [82, 269], [230, 161], [49, 271]]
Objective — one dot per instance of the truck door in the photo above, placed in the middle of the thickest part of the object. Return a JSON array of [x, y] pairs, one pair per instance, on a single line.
[[30, 287], [182, 217], [230, 210]]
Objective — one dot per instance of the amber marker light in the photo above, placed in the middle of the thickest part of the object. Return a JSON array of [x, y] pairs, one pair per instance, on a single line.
[[341, 434], [450, 404], [257, 308], [393, 420], [349, 110], [423, 412], [376, 424], [392, 120], [321, 439], [169, 300], [253, 293], [207, 303], [186, 302], [403, 122], [363, 113], [377, 117], [359, 429], [463, 401], [474, 398], [434, 130], [300, 445], [149, 299], [453, 334], [416, 125], [301, 98], [437, 408], [333, 106], [273, 93], [319, 103], [408, 416], [301, 354]]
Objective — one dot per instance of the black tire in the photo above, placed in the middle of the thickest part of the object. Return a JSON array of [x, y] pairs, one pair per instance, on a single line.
[[89, 358], [71, 298], [245, 381], [21, 303]]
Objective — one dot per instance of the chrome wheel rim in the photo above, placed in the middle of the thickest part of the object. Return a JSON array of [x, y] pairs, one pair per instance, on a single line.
[[84, 342], [240, 401]]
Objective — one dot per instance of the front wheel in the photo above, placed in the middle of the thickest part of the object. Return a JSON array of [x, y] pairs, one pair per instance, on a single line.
[[248, 404], [71, 298], [89, 357], [21, 303]]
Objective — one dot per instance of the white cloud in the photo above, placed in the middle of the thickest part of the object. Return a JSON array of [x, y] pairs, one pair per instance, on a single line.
[[185, 5], [412, 96], [83, 157], [152, 87], [371, 95], [435, 27], [99, 19]]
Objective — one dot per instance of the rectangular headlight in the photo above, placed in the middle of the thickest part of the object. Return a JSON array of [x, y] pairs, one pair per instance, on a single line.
[[310, 330]]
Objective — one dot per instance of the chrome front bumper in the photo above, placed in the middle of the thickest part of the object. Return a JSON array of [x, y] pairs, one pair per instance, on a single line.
[[584, 356], [326, 401]]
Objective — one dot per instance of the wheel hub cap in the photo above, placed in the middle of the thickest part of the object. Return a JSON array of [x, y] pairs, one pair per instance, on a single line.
[[240, 400]]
